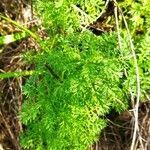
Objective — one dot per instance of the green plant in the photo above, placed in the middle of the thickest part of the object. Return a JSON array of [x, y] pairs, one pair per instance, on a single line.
[[72, 104], [83, 79], [137, 16]]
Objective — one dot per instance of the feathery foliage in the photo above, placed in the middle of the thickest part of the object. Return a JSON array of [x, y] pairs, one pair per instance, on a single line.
[[83, 77]]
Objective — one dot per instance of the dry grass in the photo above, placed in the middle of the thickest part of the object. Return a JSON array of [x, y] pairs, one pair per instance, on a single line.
[[118, 134], [11, 89]]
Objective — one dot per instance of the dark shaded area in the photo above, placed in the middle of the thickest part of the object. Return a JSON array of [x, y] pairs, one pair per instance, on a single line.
[[118, 134], [101, 26]]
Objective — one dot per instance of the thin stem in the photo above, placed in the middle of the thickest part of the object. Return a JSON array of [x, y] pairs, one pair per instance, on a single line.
[[21, 27], [136, 126]]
